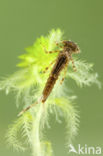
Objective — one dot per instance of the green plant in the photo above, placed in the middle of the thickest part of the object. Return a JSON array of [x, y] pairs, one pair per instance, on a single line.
[[28, 84]]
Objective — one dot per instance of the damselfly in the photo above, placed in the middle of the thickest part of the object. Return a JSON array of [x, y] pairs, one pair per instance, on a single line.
[[61, 63]]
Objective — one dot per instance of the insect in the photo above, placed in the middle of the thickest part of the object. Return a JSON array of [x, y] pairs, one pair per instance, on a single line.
[[61, 63]]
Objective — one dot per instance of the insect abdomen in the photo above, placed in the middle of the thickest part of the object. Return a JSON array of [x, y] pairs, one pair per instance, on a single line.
[[60, 64], [49, 86]]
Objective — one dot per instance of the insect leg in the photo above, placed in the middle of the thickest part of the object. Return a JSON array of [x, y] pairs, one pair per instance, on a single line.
[[65, 70], [74, 67], [60, 44], [49, 66], [54, 51], [49, 52]]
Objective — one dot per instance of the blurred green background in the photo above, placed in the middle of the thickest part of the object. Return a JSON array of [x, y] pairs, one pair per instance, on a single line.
[[21, 22]]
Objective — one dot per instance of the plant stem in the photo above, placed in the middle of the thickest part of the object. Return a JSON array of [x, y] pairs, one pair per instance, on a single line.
[[36, 140]]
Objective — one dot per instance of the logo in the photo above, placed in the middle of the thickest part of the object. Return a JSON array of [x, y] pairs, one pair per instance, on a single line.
[[85, 149]]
